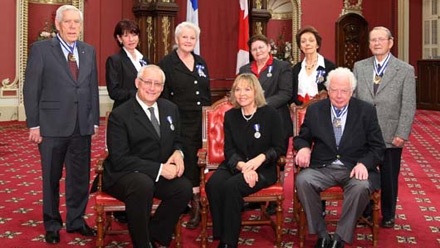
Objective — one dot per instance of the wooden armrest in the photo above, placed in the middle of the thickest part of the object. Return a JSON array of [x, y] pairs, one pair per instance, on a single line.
[[201, 154], [99, 167]]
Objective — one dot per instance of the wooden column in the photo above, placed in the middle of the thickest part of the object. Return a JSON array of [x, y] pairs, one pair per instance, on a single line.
[[258, 17], [156, 19]]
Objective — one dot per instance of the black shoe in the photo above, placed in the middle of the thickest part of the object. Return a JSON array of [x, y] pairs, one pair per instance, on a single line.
[[224, 245], [195, 216], [323, 243], [84, 231], [336, 244], [248, 206], [52, 237], [387, 223], [121, 217]]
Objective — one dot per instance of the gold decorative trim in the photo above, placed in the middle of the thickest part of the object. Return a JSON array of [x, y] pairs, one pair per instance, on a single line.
[[296, 24], [258, 28], [165, 32], [280, 9], [258, 4], [350, 7], [149, 31], [57, 2]]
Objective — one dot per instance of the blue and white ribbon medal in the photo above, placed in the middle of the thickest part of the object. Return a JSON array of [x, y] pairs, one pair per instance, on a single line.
[[68, 48], [320, 76], [170, 120], [379, 73], [338, 114], [142, 62], [200, 69], [269, 74], [257, 133]]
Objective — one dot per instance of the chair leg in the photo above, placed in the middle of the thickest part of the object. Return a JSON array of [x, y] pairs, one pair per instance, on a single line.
[[178, 233], [279, 223], [302, 226], [99, 225], [204, 223], [375, 227]]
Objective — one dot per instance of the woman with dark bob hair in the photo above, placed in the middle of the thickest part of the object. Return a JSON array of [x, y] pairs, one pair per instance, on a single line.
[[122, 67], [253, 144], [310, 74]]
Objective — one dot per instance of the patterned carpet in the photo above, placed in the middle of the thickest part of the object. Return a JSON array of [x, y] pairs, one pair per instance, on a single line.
[[417, 219]]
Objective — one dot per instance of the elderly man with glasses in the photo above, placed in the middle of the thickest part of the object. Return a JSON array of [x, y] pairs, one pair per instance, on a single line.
[[145, 160]]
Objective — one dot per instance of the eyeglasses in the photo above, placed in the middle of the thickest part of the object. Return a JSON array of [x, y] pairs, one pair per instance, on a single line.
[[380, 40], [341, 91], [255, 49], [151, 83]]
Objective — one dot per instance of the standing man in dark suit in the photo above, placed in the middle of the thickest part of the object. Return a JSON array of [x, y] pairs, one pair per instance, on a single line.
[[62, 111], [389, 84], [347, 147], [145, 160]]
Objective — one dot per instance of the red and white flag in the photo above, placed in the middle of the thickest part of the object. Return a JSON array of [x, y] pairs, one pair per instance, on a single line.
[[243, 35]]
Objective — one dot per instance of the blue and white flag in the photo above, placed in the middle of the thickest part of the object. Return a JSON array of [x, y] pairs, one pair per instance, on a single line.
[[192, 15]]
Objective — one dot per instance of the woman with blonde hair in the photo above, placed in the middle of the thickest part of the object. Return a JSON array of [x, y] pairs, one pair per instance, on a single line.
[[253, 144]]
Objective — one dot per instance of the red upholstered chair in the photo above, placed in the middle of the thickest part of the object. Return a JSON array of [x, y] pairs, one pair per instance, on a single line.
[[331, 194], [210, 157], [105, 205]]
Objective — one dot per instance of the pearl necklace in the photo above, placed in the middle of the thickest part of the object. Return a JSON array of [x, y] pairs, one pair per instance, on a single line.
[[247, 118]]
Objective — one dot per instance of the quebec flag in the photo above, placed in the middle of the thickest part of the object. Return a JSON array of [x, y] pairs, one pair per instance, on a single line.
[[192, 15]]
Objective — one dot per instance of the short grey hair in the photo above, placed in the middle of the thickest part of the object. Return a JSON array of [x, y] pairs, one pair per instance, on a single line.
[[60, 11], [390, 36], [187, 25], [342, 71], [151, 67]]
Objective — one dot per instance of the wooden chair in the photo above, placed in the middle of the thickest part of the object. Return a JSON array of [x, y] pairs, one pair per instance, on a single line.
[[210, 157], [331, 194], [105, 205]]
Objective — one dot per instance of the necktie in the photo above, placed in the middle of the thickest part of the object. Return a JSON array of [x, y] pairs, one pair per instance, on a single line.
[[72, 66], [376, 85], [154, 121]]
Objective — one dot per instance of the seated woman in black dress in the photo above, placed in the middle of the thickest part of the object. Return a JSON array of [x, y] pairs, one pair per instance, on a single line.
[[253, 143]]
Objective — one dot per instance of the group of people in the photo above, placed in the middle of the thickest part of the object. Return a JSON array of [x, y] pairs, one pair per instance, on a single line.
[[155, 127]]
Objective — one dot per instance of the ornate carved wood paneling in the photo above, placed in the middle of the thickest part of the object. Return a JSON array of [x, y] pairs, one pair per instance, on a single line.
[[258, 17], [156, 21], [428, 84], [351, 39]]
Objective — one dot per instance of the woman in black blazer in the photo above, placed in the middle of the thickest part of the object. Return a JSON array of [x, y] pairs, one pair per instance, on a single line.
[[275, 77], [253, 143], [310, 74], [122, 68], [187, 85]]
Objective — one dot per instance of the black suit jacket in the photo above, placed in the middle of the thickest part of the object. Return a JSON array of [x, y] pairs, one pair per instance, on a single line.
[[53, 99], [329, 66], [120, 75], [241, 144], [190, 90], [361, 141], [277, 89], [134, 145]]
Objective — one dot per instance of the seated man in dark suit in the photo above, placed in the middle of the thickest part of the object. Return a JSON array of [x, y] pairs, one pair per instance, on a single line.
[[145, 161], [347, 147]]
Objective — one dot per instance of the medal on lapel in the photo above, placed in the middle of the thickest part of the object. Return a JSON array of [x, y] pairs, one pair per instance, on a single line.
[[270, 68], [320, 76], [170, 120], [199, 69], [257, 133]]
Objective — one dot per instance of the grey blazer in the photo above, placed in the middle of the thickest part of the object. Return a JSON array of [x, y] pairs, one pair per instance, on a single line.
[[395, 99], [53, 100]]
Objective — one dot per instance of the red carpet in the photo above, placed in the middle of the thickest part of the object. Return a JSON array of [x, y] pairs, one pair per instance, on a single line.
[[417, 220]]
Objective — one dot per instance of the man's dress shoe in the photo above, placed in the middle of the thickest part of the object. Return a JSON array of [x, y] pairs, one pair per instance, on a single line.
[[323, 243], [84, 231], [387, 223], [336, 244], [52, 237]]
